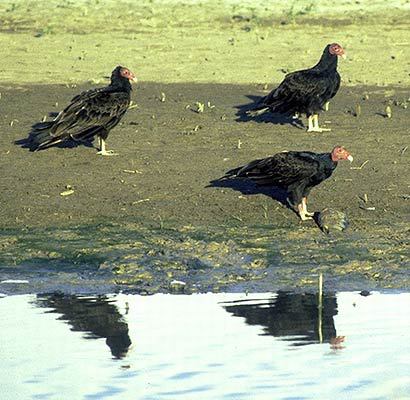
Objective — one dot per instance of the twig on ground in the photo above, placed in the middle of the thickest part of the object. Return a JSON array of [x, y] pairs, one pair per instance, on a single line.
[[361, 165]]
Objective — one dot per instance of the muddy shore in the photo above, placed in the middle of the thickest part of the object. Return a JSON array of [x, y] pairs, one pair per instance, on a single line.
[[151, 214], [71, 220], [169, 153]]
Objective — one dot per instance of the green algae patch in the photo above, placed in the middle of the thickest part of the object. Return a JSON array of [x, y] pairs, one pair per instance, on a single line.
[[134, 257], [68, 42]]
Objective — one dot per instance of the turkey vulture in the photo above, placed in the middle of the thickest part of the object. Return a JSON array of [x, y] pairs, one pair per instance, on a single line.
[[306, 91], [296, 171], [91, 113]]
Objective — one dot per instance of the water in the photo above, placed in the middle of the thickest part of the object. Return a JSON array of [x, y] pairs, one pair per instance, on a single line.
[[208, 346]]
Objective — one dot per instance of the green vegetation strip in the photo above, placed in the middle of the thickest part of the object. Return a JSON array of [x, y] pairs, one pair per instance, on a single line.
[[63, 41], [147, 259]]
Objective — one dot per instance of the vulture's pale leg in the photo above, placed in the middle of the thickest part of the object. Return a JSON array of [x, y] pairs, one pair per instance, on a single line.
[[300, 209], [302, 213], [327, 106], [304, 203], [103, 151], [316, 125], [310, 124]]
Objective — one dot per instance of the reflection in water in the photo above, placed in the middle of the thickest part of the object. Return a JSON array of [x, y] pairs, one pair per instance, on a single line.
[[94, 315], [289, 315], [191, 348]]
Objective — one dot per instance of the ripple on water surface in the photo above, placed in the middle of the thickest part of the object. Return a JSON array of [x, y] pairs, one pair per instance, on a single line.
[[214, 346]]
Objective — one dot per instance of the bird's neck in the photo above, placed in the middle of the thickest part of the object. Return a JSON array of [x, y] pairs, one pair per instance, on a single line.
[[328, 160], [123, 85], [327, 62], [332, 159]]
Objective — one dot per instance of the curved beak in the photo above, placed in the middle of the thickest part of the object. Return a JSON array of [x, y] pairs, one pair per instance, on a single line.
[[350, 158], [344, 56]]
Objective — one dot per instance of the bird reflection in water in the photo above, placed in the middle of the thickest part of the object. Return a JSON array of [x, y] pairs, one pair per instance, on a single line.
[[291, 316], [336, 343], [96, 316]]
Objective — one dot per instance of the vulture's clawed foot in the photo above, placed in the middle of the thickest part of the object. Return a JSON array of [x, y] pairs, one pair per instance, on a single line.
[[317, 129], [305, 217], [107, 153]]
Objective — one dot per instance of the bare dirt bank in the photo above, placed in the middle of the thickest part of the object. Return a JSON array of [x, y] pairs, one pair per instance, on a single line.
[[139, 220], [169, 153]]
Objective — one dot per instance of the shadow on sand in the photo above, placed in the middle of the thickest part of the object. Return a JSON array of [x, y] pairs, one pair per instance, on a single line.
[[268, 117], [247, 187]]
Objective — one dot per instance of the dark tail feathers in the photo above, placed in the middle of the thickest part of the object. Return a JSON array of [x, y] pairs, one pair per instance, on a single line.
[[231, 173], [40, 137]]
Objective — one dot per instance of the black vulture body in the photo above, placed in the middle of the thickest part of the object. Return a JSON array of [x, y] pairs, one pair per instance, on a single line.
[[304, 92], [91, 113], [297, 172]]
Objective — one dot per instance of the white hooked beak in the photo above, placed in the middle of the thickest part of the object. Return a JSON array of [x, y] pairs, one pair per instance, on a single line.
[[350, 158]]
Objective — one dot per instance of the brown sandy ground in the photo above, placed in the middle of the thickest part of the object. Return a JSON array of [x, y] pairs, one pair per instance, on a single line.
[[158, 185], [168, 154]]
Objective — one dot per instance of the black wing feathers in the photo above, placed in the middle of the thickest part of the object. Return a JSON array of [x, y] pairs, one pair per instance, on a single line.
[[282, 169], [93, 109], [304, 91], [93, 112]]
